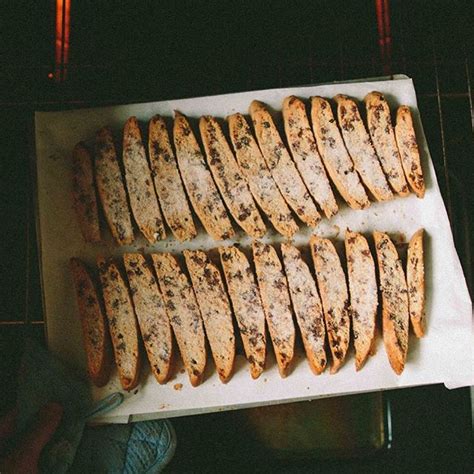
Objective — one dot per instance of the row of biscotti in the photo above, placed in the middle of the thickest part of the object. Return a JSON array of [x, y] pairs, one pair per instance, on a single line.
[[173, 302], [223, 182]]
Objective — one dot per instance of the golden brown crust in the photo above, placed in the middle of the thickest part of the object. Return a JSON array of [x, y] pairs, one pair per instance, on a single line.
[[141, 191], [228, 177], [122, 323], [306, 156], [334, 154], [84, 195], [261, 183], [95, 332], [416, 283], [383, 137], [111, 188], [408, 148], [395, 318], [360, 148], [307, 306], [247, 305], [183, 313], [281, 166], [276, 303], [215, 310], [168, 184], [333, 290], [151, 315], [363, 292], [202, 191]]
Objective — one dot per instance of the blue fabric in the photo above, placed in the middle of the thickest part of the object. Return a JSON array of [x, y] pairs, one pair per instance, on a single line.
[[151, 446], [143, 447], [43, 379]]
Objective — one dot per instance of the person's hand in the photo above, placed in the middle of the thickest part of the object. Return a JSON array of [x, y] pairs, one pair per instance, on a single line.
[[23, 458]]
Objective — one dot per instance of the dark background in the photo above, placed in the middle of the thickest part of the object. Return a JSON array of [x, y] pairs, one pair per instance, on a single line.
[[124, 52]]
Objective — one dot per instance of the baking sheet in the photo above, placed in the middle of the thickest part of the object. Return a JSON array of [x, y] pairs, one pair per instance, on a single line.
[[444, 355]]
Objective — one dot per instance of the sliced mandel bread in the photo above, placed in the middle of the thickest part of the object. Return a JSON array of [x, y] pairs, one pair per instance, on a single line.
[[141, 191], [381, 131], [83, 190], [276, 303], [122, 323], [215, 310], [229, 179], [395, 314], [334, 154], [202, 191], [408, 148], [95, 333], [184, 314], [111, 188], [307, 306], [259, 178], [333, 290], [360, 148], [169, 187], [364, 294], [151, 314], [306, 156], [248, 310], [416, 283], [281, 165]]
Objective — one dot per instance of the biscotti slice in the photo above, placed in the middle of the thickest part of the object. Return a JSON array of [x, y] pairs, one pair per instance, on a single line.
[[151, 314], [215, 310], [141, 191], [111, 188], [416, 283], [364, 294], [306, 156], [83, 191], [183, 313], [381, 131], [394, 301], [95, 333], [229, 179], [248, 310], [122, 323], [281, 165], [408, 148], [202, 191], [307, 306], [333, 290], [168, 185], [259, 178], [334, 154], [360, 148], [276, 303]]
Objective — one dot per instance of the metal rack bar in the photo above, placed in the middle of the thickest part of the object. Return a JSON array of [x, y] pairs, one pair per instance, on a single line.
[[441, 125], [25, 322]]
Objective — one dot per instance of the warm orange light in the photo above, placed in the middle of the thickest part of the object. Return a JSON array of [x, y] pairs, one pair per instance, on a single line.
[[63, 15], [385, 37]]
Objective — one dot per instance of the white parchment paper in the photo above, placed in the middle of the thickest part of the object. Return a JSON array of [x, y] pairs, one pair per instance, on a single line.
[[444, 355]]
